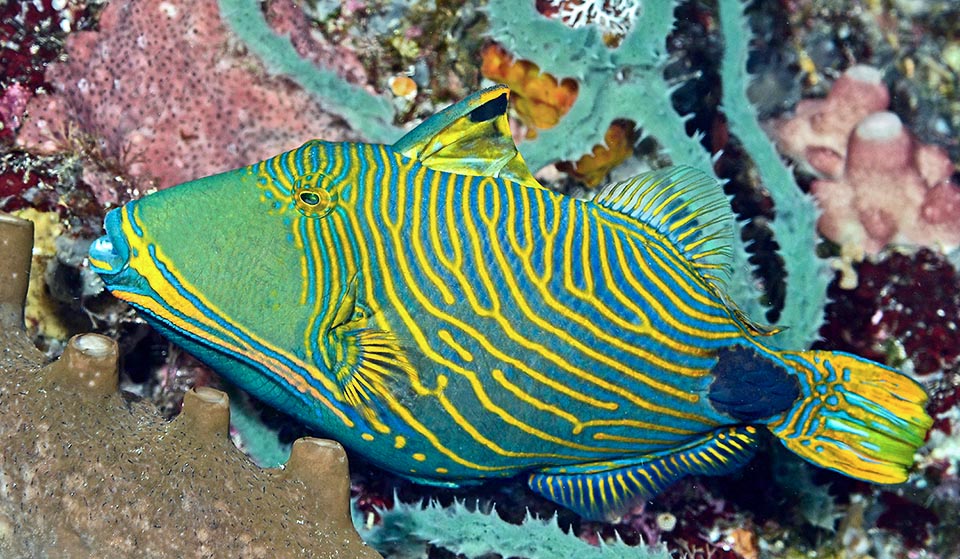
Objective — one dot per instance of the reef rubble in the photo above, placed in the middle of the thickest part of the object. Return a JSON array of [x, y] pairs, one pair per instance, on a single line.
[[88, 471]]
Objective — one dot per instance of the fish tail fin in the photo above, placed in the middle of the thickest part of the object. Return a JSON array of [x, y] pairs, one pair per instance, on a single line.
[[853, 416]]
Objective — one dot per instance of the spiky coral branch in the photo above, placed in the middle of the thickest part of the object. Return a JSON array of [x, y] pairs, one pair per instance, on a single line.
[[795, 225], [473, 533]]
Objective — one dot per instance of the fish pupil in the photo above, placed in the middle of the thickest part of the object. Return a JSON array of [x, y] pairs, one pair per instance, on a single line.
[[309, 198]]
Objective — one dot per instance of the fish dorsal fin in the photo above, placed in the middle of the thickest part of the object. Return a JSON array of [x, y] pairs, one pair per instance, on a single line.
[[687, 207], [471, 137]]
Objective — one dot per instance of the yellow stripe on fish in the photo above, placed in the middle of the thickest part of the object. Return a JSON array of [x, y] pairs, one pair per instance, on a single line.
[[432, 306]]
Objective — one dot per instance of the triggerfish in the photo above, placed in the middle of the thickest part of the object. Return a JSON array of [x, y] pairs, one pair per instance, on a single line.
[[433, 307]]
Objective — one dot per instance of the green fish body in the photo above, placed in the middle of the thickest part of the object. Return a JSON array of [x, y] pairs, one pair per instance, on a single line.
[[434, 308]]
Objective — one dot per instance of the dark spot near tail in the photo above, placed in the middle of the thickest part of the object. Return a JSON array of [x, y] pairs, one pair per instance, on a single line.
[[749, 386]]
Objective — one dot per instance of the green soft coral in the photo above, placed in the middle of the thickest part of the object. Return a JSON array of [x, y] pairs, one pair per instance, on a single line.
[[628, 83], [406, 529], [796, 219]]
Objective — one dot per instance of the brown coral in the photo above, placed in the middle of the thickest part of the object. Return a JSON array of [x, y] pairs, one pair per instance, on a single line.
[[87, 472], [539, 98], [593, 167]]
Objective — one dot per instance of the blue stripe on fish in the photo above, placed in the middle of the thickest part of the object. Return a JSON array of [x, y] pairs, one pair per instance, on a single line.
[[432, 306]]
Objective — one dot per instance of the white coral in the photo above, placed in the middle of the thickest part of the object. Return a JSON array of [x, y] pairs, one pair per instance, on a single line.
[[612, 16]]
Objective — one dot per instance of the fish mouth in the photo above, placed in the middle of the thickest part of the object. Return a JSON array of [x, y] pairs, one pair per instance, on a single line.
[[110, 254]]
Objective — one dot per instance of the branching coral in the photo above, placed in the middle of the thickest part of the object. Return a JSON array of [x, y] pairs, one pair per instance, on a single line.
[[614, 17], [628, 83], [86, 472]]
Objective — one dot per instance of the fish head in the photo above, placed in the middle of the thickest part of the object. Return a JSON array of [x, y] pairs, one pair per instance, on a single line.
[[227, 266]]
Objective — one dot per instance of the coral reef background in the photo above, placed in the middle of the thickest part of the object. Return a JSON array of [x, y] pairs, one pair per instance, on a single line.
[[101, 102]]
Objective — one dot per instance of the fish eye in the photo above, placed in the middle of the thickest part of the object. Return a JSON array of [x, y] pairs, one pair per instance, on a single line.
[[309, 198], [312, 195]]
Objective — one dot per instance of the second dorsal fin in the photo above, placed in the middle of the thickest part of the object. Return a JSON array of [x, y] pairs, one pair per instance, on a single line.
[[685, 206], [471, 137]]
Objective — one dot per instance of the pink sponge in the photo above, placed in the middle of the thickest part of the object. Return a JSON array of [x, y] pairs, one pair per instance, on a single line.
[[816, 137], [878, 184], [892, 191], [165, 90]]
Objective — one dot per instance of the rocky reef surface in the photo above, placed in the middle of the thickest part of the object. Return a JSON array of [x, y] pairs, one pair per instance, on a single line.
[[88, 471]]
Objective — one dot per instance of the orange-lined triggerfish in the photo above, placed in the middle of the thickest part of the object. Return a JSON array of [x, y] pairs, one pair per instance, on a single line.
[[432, 306]]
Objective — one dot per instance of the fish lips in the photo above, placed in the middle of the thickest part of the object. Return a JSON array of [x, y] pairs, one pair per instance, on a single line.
[[110, 254]]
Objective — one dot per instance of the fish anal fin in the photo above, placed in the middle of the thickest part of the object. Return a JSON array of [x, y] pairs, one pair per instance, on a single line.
[[606, 490], [471, 137], [687, 207]]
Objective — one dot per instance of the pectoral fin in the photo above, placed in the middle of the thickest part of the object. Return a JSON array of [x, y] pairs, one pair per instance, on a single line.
[[605, 490], [365, 361]]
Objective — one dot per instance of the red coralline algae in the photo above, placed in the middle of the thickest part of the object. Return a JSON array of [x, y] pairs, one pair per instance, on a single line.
[[13, 102], [878, 185], [164, 90], [31, 36], [912, 521], [910, 300], [12, 185]]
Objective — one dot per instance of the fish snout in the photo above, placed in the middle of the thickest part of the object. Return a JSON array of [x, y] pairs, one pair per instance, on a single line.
[[110, 253]]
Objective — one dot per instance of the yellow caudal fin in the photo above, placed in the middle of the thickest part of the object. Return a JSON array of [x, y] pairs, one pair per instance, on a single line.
[[854, 416]]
